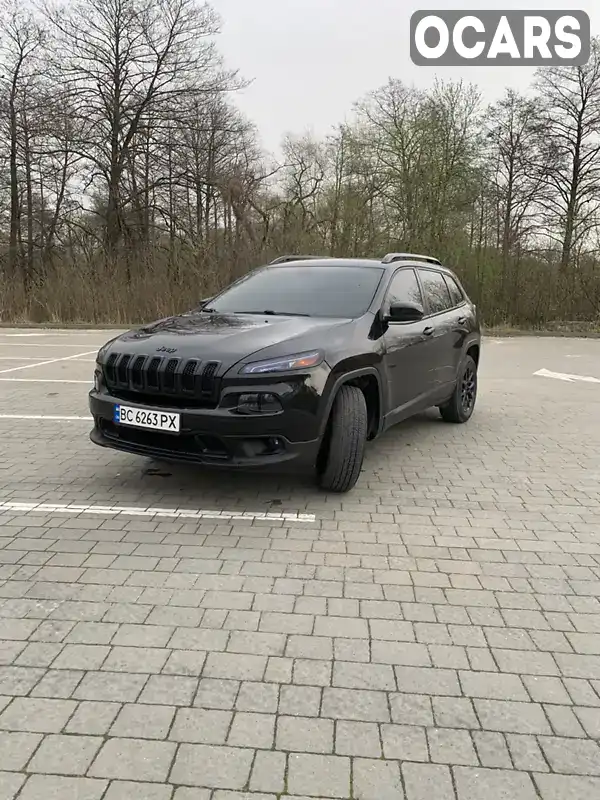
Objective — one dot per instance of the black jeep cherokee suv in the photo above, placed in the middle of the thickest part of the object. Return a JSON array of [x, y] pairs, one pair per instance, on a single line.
[[297, 364]]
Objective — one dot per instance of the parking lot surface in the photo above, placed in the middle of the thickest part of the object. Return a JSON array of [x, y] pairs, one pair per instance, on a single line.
[[168, 633]]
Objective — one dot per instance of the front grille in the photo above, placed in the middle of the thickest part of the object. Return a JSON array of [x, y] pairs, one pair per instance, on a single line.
[[122, 371], [208, 377], [169, 377], [188, 376], [152, 374], [137, 375], [147, 379]]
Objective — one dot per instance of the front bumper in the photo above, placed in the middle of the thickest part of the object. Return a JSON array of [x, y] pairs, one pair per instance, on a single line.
[[213, 437]]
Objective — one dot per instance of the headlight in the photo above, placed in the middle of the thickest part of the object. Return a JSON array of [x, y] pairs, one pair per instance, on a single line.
[[98, 376], [103, 352], [299, 361]]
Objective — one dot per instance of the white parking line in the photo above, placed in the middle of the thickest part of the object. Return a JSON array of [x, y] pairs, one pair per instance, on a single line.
[[41, 380], [171, 513], [45, 416], [39, 358], [50, 361], [61, 332], [564, 376], [12, 345]]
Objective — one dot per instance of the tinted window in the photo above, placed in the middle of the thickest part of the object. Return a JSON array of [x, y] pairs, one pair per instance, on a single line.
[[405, 287], [456, 296], [314, 291], [436, 291]]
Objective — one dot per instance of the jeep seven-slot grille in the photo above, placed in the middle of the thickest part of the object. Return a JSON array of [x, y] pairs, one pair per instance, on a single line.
[[147, 378], [188, 376]]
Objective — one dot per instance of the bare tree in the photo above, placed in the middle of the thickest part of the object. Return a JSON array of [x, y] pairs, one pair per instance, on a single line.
[[571, 107], [20, 40], [424, 150], [518, 173], [304, 178], [131, 184], [128, 63]]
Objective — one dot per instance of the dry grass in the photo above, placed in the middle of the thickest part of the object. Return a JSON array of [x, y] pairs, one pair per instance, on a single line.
[[100, 295], [95, 291]]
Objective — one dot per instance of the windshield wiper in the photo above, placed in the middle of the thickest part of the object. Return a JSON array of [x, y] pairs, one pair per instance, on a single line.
[[270, 313]]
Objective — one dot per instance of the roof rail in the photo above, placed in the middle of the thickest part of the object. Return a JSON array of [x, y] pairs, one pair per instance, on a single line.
[[283, 259], [391, 257]]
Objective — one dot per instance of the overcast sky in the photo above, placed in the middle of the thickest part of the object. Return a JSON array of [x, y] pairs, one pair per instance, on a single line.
[[309, 60]]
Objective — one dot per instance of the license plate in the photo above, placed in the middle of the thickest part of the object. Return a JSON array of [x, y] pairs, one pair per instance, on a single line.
[[142, 418]]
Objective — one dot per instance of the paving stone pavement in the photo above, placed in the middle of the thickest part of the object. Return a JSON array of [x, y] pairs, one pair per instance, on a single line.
[[433, 635]]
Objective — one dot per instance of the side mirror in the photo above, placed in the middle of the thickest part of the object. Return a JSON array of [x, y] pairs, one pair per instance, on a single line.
[[404, 312], [204, 302]]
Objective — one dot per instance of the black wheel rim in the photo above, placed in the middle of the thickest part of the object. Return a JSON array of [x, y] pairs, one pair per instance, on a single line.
[[468, 390]]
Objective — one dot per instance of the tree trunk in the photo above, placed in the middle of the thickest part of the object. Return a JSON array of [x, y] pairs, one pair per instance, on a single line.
[[15, 203]]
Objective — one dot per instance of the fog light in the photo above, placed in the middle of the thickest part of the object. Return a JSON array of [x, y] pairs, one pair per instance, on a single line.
[[258, 403], [263, 446]]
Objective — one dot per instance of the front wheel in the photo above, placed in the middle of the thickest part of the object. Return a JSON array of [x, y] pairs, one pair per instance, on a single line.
[[345, 441], [462, 403]]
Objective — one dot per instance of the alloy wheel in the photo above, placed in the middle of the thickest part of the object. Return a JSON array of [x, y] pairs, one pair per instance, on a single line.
[[468, 389]]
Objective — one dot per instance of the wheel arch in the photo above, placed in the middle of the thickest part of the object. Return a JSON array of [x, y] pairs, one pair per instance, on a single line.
[[368, 380], [474, 350]]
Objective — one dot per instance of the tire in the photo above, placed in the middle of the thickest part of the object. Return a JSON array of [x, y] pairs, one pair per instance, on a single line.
[[461, 405], [345, 439]]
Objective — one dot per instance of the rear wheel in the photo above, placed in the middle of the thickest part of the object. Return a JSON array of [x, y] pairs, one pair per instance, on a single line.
[[344, 441], [462, 403]]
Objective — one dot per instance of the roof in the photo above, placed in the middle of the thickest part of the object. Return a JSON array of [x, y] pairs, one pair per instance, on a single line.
[[331, 262], [358, 262]]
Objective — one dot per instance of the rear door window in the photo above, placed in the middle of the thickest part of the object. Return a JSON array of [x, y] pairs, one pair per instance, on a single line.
[[436, 291], [456, 294]]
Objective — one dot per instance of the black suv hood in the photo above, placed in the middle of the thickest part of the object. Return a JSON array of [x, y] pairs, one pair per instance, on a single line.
[[227, 338]]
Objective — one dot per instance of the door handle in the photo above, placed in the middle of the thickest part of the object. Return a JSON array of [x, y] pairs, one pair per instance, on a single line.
[[462, 320], [428, 331]]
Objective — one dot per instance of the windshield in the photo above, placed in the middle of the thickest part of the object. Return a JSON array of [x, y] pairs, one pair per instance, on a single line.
[[308, 291]]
